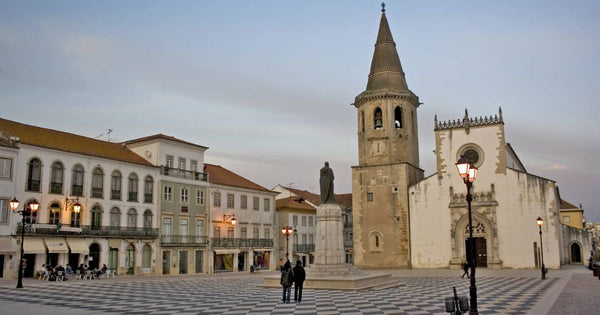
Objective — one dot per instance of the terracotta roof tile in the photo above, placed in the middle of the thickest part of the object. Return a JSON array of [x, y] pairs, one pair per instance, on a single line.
[[68, 142], [293, 203], [222, 176], [567, 205], [342, 199], [165, 137]]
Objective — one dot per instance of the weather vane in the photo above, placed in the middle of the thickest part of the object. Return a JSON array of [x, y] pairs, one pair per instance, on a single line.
[[383, 7]]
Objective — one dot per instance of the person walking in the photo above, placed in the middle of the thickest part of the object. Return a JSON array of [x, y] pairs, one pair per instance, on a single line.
[[465, 266], [299, 277], [286, 281]]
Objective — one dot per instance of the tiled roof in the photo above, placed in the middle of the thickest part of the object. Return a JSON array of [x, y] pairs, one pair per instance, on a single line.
[[68, 142], [165, 137], [567, 205], [293, 203], [342, 199], [345, 200], [222, 176]]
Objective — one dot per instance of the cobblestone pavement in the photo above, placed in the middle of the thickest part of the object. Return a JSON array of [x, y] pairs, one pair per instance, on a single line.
[[243, 294]]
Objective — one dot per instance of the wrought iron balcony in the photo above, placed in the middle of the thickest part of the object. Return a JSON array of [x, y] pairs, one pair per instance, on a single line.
[[33, 185], [96, 192], [87, 230], [303, 248], [115, 194], [241, 242], [76, 190], [56, 188], [179, 173], [132, 196], [148, 198], [178, 240]]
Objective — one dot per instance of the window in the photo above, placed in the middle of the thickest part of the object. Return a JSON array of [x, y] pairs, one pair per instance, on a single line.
[[311, 239], [217, 232], [199, 228], [295, 220], [369, 196], [256, 232], [166, 228], [217, 199], [170, 160], [193, 165], [230, 232], [183, 198], [267, 233], [132, 218], [5, 168], [57, 174], [115, 217], [3, 210], [303, 220], [267, 206], [77, 180], [32, 217], [96, 221], [181, 164], [148, 188], [362, 121], [54, 213], [375, 241], [115, 185], [148, 219], [146, 256], [566, 219], [183, 230], [398, 117], [310, 220], [244, 232], [303, 239], [200, 197], [76, 218], [244, 202], [256, 203], [168, 193], [97, 182], [132, 186], [295, 240], [378, 119], [34, 175], [230, 201]]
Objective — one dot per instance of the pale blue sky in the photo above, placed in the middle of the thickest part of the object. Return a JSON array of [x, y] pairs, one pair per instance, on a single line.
[[267, 85]]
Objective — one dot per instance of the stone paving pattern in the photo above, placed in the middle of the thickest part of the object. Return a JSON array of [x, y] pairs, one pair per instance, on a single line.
[[242, 294]]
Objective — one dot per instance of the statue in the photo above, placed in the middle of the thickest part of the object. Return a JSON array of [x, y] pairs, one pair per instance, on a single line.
[[326, 182]]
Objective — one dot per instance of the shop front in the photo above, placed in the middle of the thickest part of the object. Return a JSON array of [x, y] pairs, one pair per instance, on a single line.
[[225, 260], [262, 259]]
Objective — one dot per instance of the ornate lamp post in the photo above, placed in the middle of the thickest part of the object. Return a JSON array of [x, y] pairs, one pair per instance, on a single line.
[[468, 172], [539, 222], [230, 218], [27, 210], [287, 231]]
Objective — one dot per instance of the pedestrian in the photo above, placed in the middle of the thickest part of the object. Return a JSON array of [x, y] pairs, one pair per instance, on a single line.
[[286, 281], [252, 269], [299, 277], [465, 266]]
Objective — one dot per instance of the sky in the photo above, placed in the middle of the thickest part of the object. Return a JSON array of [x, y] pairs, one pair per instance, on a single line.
[[267, 85]]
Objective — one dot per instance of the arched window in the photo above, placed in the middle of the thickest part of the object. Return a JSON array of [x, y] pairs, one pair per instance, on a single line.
[[148, 219], [146, 256], [362, 120], [96, 221], [97, 182], [34, 175], [398, 117], [32, 216], [57, 175], [378, 118], [148, 187], [115, 185], [75, 218], [375, 241], [77, 180], [133, 188], [132, 218], [54, 213], [115, 217]]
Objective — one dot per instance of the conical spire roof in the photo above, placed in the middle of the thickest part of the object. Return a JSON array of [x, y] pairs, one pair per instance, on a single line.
[[386, 70]]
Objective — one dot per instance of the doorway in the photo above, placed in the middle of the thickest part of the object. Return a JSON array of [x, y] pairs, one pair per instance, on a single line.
[[1, 266], [166, 258], [73, 260], [113, 259], [183, 262], [575, 253], [199, 261], [480, 251], [241, 261], [94, 259], [52, 259], [29, 265], [130, 259]]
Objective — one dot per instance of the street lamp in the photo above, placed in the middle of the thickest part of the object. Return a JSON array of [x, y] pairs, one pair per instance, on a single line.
[[287, 231], [468, 172], [230, 218], [539, 222], [27, 210], [76, 205]]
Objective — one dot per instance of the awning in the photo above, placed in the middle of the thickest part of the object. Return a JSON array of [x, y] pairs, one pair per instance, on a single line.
[[77, 245], [56, 245], [263, 249], [34, 245], [114, 243], [226, 251], [7, 246]]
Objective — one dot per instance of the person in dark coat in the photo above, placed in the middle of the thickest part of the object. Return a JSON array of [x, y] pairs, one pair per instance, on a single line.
[[299, 277], [286, 281]]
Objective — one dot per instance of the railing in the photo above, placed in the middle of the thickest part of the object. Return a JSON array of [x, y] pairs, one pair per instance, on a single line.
[[241, 242], [96, 192], [76, 190], [148, 198], [56, 188], [132, 196], [183, 240], [108, 231], [179, 173], [304, 247], [115, 194], [33, 185]]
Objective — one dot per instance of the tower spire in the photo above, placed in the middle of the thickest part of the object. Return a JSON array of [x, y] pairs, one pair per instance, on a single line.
[[386, 70]]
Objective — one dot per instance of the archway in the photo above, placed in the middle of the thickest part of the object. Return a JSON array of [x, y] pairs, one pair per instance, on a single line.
[[484, 234], [130, 259], [94, 259], [575, 253]]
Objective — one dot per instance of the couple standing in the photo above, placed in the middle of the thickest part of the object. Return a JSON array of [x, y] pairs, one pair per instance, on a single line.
[[291, 276]]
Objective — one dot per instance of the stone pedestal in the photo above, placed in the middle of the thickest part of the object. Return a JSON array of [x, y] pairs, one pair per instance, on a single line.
[[329, 247]]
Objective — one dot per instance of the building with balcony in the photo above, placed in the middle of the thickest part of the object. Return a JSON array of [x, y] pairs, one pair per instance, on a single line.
[[242, 222], [116, 189], [184, 215]]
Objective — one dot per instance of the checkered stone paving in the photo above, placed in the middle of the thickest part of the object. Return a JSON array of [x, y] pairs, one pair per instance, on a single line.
[[244, 295]]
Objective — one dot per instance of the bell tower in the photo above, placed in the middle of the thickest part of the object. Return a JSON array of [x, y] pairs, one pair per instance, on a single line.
[[388, 160]]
